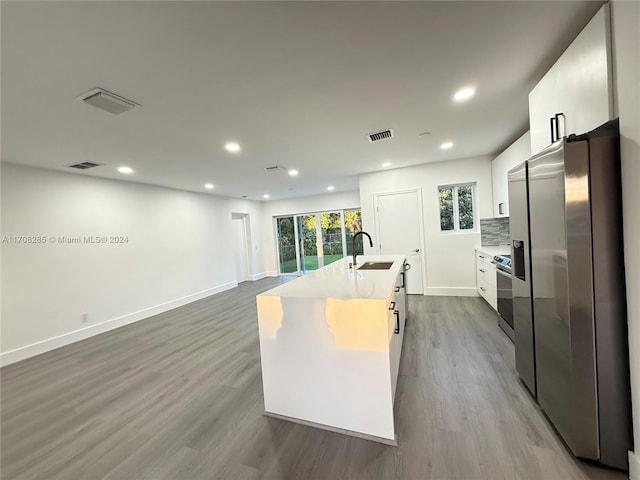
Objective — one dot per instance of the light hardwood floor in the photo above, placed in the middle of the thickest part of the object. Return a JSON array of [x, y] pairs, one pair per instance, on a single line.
[[179, 396]]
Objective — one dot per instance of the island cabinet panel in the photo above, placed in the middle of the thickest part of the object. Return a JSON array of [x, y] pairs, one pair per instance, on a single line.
[[329, 348], [397, 319]]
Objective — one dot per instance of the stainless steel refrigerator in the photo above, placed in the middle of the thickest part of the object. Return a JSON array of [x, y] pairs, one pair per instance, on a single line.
[[569, 292]]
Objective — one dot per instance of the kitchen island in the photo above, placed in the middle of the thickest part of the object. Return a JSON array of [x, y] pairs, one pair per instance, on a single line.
[[330, 345]]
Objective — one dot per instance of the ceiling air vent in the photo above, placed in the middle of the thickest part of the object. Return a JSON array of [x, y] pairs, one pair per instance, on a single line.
[[84, 165], [276, 168], [381, 135], [108, 101]]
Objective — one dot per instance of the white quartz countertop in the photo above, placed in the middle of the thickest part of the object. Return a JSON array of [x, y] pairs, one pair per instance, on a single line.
[[337, 280], [495, 250]]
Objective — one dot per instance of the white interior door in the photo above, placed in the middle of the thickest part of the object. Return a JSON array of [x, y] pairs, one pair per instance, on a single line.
[[241, 247], [399, 231]]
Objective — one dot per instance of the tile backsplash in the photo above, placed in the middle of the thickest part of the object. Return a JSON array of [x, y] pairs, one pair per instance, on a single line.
[[494, 231]]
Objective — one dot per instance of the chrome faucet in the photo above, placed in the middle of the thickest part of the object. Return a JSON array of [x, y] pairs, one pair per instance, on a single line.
[[353, 246]]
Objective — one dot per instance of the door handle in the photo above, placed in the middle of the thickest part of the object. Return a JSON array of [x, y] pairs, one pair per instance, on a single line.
[[392, 306], [397, 329], [397, 289], [482, 270], [402, 275], [417, 250]]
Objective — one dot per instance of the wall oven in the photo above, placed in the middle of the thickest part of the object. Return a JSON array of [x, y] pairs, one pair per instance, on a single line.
[[505, 297]]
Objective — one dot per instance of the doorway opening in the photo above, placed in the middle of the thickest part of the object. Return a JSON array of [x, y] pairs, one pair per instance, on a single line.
[[242, 245]]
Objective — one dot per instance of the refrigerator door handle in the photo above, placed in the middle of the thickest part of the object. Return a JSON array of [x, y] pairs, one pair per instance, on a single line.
[[553, 128]]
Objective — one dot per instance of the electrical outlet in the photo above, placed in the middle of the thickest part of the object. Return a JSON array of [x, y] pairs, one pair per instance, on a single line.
[[84, 317]]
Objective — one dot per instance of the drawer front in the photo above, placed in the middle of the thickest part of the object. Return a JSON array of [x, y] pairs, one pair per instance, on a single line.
[[483, 257], [486, 272], [489, 293]]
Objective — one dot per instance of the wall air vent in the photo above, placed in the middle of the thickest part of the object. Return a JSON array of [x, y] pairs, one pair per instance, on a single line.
[[381, 135], [108, 101], [84, 165], [276, 168]]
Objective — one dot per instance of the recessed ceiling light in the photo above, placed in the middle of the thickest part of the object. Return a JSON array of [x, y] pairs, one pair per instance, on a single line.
[[293, 172], [208, 186], [266, 195], [126, 170], [232, 147], [464, 94], [446, 145], [331, 188], [386, 164]]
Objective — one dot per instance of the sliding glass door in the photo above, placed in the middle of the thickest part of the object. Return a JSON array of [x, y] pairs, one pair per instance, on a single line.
[[287, 255], [311, 241], [332, 237], [308, 242], [353, 225]]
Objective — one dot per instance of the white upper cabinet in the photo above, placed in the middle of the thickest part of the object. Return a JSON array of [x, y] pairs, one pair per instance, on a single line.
[[543, 105], [579, 86], [515, 154]]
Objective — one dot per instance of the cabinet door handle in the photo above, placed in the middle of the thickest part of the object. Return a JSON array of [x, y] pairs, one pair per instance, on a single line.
[[397, 289], [558, 115], [483, 289], [392, 305], [554, 124], [482, 270], [402, 275], [480, 256], [397, 329]]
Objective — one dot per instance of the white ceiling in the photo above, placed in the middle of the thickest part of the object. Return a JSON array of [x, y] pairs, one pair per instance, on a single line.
[[296, 83]]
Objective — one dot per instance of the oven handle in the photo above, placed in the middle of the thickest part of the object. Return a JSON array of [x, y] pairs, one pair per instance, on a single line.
[[502, 272]]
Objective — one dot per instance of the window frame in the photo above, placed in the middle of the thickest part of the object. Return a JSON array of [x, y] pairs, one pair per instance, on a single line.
[[456, 208]]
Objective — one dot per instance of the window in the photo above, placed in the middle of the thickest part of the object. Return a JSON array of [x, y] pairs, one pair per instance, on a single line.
[[457, 207], [309, 241]]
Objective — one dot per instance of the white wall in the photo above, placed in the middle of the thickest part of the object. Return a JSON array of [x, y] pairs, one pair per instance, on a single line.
[[293, 206], [177, 251], [449, 258], [626, 53]]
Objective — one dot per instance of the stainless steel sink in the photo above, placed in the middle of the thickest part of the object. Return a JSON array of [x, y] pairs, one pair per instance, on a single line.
[[375, 266]]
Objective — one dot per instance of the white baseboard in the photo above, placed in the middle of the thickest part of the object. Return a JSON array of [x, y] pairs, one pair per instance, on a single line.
[[272, 273], [634, 466], [49, 344], [453, 291], [257, 276]]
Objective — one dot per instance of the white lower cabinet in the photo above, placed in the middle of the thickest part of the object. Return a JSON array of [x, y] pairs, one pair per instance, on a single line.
[[486, 279]]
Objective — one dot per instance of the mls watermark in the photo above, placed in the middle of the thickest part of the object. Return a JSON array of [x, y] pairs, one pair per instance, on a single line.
[[65, 239]]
